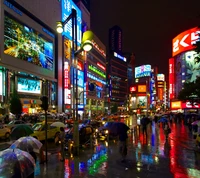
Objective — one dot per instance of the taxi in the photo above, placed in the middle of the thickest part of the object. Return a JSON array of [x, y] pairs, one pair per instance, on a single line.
[[4, 132], [39, 131]]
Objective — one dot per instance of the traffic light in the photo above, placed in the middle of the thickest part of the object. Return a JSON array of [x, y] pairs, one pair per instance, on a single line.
[[45, 103]]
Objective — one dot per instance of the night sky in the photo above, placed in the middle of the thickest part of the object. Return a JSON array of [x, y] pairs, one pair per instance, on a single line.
[[148, 25]]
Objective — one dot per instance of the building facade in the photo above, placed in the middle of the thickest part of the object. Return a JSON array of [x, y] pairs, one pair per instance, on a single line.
[[183, 67], [36, 61]]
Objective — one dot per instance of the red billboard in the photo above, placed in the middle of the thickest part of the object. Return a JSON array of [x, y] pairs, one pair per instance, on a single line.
[[160, 93], [185, 41], [171, 78]]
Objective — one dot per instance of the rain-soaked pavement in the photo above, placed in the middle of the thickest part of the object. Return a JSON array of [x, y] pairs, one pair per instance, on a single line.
[[149, 157]]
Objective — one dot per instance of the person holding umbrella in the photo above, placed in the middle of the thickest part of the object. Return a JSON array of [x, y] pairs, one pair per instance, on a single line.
[[166, 130], [123, 145]]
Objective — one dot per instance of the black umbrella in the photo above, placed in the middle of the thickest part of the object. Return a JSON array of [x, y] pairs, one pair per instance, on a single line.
[[118, 128], [145, 121], [21, 130]]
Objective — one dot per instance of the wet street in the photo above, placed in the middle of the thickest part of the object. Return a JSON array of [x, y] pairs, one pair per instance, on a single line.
[[148, 157]]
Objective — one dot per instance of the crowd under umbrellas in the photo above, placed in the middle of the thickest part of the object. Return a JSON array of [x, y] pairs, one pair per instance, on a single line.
[[17, 161]]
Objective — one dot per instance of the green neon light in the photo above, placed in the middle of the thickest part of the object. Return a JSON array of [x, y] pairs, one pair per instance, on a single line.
[[94, 69], [96, 165]]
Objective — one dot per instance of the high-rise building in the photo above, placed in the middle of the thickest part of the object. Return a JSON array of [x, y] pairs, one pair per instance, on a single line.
[[115, 39]]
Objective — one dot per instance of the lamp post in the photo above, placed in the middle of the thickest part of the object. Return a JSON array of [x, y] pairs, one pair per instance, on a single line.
[[86, 45]]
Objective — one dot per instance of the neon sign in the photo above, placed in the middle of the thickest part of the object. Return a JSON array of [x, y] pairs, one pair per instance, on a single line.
[[101, 66], [160, 77], [143, 71], [67, 92], [185, 41], [94, 69], [67, 6], [9, 5], [171, 78], [120, 57], [96, 46]]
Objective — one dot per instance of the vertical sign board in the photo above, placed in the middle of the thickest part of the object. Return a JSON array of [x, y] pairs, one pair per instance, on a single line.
[[67, 93], [67, 6], [171, 78]]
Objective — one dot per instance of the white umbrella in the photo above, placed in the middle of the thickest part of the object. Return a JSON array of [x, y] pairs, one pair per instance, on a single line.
[[58, 124], [27, 144], [16, 163]]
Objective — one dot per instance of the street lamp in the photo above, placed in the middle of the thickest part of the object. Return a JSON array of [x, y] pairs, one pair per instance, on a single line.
[[86, 45]]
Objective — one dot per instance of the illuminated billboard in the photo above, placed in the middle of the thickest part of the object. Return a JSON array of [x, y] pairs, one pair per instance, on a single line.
[[133, 89], [80, 79], [185, 41], [67, 91], [192, 66], [119, 56], [31, 86], [143, 71], [27, 44], [176, 105], [171, 78], [67, 6], [142, 88], [142, 101], [160, 77]]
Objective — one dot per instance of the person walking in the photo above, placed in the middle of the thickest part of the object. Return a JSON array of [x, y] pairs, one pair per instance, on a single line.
[[62, 143], [123, 145], [166, 130]]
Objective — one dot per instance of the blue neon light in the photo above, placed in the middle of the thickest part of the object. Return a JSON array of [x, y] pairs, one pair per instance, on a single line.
[[9, 5], [67, 6], [80, 79]]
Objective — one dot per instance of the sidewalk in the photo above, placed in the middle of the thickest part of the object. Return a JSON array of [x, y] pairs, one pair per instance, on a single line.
[[105, 162]]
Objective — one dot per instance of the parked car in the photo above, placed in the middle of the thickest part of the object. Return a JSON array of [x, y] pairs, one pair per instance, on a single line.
[[39, 131], [4, 132], [14, 123]]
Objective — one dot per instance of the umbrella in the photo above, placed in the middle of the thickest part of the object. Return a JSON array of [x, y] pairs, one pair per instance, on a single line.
[[117, 128], [27, 144], [58, 124], [196, 123], [16, 163], [145, 121], [21, 131], [163, 119]]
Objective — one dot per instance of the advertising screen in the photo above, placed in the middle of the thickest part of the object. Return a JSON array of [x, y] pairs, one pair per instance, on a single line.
[[25, 85], [142, 101], [185, 41], [23, 42], [67, 6], [143, 71], [192, 66]]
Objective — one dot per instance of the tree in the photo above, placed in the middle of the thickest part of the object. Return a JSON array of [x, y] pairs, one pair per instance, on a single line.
[[15, 105], [190, 92]]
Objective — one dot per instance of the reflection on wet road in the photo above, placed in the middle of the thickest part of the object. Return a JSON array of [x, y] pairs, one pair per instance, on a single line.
[[148, 156]]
